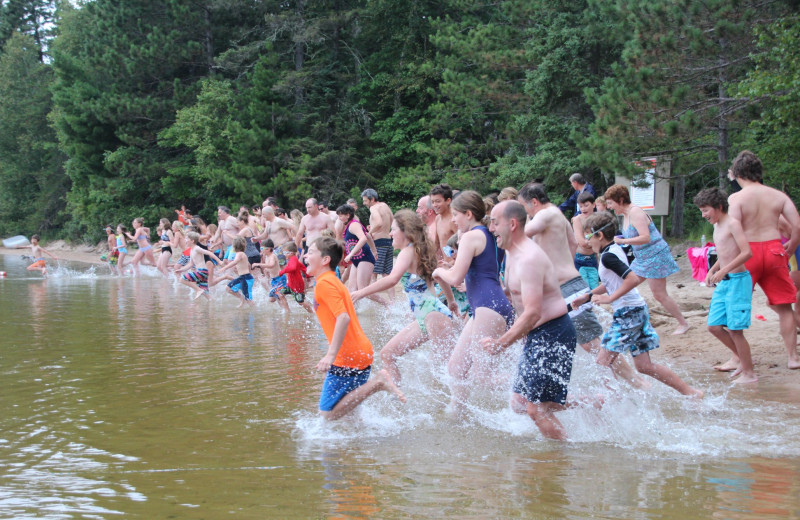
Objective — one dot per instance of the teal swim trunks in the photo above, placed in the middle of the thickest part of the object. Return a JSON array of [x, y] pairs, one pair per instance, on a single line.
[[732, 301], [421, 300]]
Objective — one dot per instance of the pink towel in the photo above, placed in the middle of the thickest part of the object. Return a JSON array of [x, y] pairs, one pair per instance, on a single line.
[[698, 257]]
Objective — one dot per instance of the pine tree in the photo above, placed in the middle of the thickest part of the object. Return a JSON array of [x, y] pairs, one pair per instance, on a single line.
[[670, 94], [32, 180]]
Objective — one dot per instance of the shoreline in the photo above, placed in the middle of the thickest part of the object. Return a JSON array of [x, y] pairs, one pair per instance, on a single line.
[[84, 254], [695, 347]]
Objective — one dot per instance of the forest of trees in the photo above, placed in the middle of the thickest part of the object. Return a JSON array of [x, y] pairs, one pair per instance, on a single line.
[[111, 109]]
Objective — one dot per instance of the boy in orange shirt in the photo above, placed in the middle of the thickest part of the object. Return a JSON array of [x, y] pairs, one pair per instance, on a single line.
[[349, 357]]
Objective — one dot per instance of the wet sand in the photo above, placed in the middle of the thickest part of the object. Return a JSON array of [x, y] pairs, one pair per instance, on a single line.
[[697, 345]]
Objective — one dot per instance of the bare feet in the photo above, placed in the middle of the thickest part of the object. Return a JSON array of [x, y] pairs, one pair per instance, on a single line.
[[640, 383], [390, 386], [743, 379], [199, 294], [728, 366], [794, 364], [695, 393], [681, 330]]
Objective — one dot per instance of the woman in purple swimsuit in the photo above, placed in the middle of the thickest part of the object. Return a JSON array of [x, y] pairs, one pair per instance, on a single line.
[[478, 263]]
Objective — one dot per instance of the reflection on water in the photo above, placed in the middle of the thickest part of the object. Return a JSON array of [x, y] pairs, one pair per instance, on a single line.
[[125, 397]]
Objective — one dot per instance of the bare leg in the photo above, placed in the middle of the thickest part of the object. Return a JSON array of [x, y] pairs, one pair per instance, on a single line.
[[795, 276], [282, 302], [408, 339], [544, 417], [238, 296], [746, 370], [363, 276], [484, 323], [788, 332], [619, 367], [722, 335], [163, 261], [658, 286], [665, 375], [442, 333], [136, 259], [383, 382]]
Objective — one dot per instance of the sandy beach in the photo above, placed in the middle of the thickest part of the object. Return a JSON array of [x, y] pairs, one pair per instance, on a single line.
[[697, 346]]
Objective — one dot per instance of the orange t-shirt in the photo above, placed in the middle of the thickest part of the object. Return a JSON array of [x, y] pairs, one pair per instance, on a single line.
[[333, 299]]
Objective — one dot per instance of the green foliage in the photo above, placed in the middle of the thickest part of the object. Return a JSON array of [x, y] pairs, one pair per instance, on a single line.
[[775, 81], [569, 49], [169, 102], [32, 181]]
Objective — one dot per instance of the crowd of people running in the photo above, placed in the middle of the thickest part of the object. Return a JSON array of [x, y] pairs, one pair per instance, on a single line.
[[481, 273]]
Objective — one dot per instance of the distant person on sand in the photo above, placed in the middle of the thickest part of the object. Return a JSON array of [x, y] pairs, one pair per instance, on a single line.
[[348, 360], [38, 252], [759, 209], [729, 313]]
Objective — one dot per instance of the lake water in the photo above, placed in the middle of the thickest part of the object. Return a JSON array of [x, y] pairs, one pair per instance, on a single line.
[[125, 398]]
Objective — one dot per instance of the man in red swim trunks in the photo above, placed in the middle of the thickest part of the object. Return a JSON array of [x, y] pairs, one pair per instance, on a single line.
[[759, 209]]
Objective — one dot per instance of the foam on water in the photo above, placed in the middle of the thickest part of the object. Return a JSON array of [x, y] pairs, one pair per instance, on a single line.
[[648, 423]]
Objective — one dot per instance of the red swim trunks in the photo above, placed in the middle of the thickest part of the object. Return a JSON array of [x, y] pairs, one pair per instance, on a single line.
[[769, 267]]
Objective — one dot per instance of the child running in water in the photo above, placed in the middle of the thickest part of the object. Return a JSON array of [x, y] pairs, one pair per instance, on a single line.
[[348, 360], [478, 263], [38, 252], [413, 268], [294, 272], [198, 278], [165, 242], [244, 282], [460, 292], [630, 330], [121, 247], [729, 313], [277, 282], [113, 254], [142, 238]]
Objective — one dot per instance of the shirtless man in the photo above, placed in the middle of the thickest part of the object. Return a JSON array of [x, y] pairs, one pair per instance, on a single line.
[[551, 230], [312, 225], [380, 224], [276, 229], [441, 197], [428, 216], [227, 222], [323, 208], [545, 367], [759, 209]]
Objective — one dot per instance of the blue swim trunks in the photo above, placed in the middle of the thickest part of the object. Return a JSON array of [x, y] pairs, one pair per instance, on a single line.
[[545, 366], [630, 331], [339, 382], [230, 254], [278, 285], [732, 302], [243, 283]]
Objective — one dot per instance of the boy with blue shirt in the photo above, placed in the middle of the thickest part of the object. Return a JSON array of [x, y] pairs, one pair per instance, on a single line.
[[729, 313]]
